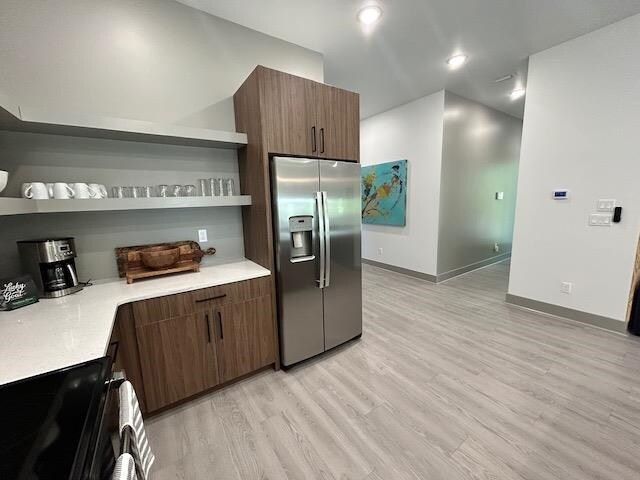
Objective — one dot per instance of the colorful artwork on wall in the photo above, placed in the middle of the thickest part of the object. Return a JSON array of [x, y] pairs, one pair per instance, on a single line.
[[384, 193]]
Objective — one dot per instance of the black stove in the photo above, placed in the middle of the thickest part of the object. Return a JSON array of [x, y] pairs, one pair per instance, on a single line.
[[55, 425]]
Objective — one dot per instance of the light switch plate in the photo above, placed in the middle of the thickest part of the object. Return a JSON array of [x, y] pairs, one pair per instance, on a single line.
[[499, 195], [566, 287], [202, 235], [606, 205], [600, 220]]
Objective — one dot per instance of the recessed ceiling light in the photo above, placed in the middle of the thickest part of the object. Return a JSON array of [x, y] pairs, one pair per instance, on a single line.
[[457, 61], [517, 93], [369, 14]]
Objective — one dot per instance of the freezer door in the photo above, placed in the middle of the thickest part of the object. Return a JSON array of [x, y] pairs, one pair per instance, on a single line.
[[294, 190], [340, 184]]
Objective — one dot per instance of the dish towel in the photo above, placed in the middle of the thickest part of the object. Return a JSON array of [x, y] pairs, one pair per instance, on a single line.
[[125, 468], [130, 416]]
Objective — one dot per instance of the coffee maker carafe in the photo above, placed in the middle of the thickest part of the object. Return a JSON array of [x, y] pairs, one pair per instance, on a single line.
[[51, 264]]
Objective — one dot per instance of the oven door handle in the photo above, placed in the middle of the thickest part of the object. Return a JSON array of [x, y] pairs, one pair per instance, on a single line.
[[117, 379]]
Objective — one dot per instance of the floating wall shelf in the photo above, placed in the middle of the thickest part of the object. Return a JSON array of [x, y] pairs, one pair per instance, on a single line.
[[22, 206], [27, 119]]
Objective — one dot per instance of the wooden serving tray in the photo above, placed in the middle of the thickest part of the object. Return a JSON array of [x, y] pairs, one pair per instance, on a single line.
[[130, 264]]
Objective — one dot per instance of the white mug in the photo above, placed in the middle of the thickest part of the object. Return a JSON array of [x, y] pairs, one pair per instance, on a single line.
[[62, 191], [4, 176], [82, 190], [50, 189], [35, 190], [99, 189]]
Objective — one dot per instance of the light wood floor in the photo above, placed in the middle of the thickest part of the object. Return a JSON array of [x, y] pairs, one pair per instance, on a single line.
[[447, 383]]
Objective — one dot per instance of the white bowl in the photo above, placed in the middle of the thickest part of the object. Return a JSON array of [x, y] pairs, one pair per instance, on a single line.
[[4, 176]]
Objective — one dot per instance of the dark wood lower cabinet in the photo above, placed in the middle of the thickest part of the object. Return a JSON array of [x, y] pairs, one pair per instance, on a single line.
[[178, 358], [174, 347], [127, 357], [244, 337]]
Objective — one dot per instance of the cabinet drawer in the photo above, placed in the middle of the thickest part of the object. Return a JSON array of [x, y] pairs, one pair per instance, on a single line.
[[157, 309], [238, 292], [206, 298], [162, 308]]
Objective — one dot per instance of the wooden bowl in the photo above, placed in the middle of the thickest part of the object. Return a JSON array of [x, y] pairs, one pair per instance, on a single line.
[[160, 257]]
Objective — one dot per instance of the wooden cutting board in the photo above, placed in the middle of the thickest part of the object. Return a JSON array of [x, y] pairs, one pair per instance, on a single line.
[[130, 264]]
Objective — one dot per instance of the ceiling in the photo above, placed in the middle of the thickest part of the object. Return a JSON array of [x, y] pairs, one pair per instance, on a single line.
[[403, 56]]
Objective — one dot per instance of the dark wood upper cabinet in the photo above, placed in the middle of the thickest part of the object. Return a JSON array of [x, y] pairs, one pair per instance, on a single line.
[[288, 115], [338, 123], [244, 333], [301, 117], [177, 357]]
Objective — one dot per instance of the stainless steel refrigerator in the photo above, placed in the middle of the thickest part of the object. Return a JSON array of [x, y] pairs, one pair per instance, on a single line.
[[317, 221]]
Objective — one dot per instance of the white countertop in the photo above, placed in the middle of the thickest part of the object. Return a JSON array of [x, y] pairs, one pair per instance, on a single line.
[[56, 333]]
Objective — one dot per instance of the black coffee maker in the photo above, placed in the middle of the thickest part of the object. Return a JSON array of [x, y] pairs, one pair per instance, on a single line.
[[51, 264]]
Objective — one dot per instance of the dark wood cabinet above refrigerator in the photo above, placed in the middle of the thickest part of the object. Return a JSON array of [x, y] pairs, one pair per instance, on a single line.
[[305, 118]]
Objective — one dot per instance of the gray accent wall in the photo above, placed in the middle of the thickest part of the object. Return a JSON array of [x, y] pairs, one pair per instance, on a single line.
[[50, 158], [480, 155]]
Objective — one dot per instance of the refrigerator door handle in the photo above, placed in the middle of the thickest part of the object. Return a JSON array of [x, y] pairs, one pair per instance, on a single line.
[[327, 241], [321, 235]]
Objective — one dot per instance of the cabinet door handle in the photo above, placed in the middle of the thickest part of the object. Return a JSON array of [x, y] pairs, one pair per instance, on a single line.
[[313, 139], [220, 323], [208, 299], [206, 319], [322, 140]]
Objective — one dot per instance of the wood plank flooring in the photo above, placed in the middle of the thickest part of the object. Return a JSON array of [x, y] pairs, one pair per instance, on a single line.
[[448, 382]]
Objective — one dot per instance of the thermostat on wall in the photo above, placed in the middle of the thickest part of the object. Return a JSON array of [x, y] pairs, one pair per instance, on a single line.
[[560, 194]]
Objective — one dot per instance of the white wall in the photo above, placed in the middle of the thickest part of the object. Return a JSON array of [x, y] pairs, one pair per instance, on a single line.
[[155, 60], [413, 132], [581, 130]]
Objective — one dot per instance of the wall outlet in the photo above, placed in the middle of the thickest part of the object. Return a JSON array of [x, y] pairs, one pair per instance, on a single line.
[[380, 251], [606, 205], [600, 219], [566, 287], [202, 235], [496, 247]]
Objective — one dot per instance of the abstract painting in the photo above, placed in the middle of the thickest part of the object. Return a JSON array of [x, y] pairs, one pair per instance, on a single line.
[[384, 193]]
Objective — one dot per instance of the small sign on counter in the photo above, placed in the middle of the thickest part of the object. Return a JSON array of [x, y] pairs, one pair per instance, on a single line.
[[17, 292]]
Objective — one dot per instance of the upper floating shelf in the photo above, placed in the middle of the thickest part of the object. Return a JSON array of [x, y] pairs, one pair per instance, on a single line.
[[27, 119]]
